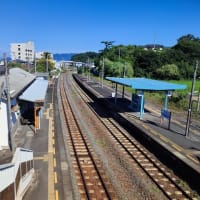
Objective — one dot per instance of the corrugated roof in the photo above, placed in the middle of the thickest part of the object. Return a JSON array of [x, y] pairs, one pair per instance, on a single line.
[[147, 84], [36, 91], [18, 80]]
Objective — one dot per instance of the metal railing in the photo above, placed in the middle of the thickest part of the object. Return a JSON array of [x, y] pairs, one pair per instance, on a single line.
[[12, 174]]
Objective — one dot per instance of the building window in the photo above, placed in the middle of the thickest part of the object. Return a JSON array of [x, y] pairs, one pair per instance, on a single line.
[[18, 49], [19, 53]]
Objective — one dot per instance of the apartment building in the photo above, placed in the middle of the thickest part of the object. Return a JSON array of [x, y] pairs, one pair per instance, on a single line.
[[22, 51]]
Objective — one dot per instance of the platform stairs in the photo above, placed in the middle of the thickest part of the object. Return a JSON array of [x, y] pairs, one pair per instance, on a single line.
[[17, 176]]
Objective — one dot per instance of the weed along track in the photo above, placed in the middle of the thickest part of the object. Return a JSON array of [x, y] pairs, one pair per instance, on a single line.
[[90, 177]]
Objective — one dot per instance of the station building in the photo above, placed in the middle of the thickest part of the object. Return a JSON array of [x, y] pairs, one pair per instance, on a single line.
[[27, 95]]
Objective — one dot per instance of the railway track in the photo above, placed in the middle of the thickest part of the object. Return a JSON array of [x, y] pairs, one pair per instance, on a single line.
[[90, 177], [167, 182]]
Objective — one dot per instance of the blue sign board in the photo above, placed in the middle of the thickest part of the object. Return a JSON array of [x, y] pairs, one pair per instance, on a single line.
[[136, 102], [166, 114]]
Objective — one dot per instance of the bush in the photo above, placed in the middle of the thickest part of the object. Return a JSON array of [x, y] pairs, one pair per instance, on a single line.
[[168, 72]]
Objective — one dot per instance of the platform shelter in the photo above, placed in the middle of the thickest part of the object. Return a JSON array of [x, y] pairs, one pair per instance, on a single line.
[[34, 96], [140, 85]]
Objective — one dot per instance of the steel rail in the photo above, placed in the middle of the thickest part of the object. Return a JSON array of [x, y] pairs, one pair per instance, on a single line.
[[71, 119], [180, 191]]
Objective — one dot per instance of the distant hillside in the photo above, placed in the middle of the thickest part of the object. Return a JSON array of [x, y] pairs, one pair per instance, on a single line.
[[63, 56]]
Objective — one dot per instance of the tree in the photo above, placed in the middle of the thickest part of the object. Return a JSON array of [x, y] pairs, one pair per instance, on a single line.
[[190, 46], [116, 68], [83, 57], [47, 55], [146, 62], [108, 44], [46, 63], [149, 63], [168, 72]]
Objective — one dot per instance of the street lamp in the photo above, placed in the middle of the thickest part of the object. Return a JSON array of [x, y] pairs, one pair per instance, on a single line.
[[190, 101]]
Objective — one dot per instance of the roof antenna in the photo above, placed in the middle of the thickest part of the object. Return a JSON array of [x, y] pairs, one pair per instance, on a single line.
[[154, 42]]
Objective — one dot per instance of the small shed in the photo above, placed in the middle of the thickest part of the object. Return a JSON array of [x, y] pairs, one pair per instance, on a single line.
[[35, 96]]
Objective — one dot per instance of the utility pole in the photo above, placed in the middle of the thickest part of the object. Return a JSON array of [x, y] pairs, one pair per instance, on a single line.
[[28, 66], [89, 65], [119, 62], [10, 136], [124, 75], [198, 101], [88, 68], [47, 63], [35, 63], [190, 101], [102, 75]]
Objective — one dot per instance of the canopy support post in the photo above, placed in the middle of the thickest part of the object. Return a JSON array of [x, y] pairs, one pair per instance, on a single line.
[[141, 94], [166, 100], [116, 93], [123, 91]]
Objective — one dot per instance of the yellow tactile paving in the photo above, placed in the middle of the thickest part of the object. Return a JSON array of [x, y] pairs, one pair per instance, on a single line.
[[164, 138], [172, 120], [177, 147], [51, 189], [55, 178], [51, 174], [191, 158], [39, 158], [57, 196], [43, 158], [54, 162]]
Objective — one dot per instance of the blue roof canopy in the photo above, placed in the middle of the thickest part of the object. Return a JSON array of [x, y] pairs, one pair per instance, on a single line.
[[37, 91], [147, 84]]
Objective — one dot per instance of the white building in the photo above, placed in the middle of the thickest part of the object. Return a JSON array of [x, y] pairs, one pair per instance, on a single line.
[[40, 54], [22, 51]]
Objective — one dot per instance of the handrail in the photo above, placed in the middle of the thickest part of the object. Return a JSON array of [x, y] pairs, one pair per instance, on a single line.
[[6, 166], [27, 155], [9, 171], [27, 150]]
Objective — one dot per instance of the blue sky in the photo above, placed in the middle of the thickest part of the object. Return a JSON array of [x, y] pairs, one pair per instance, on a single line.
[[65, 26]]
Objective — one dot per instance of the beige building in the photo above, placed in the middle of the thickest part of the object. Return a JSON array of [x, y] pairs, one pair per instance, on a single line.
[[22, 51]]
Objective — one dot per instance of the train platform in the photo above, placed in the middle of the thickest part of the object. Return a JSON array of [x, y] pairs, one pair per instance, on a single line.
[[43, 144], [170, 137]]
